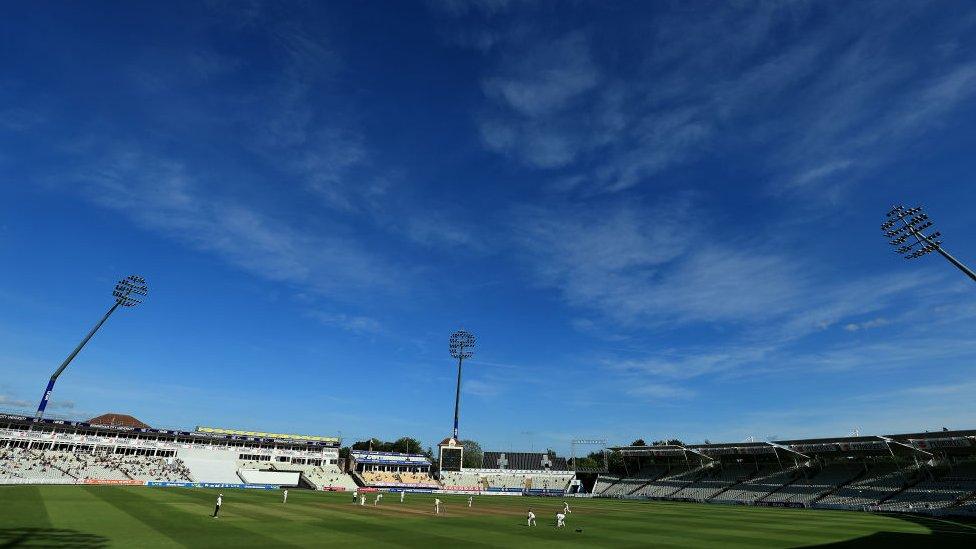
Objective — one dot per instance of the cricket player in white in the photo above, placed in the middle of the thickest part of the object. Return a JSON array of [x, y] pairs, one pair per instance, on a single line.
[[284, 497], [377, 500], [531, 518], [355, 496], [470, 500], [560, 520], [220, 500], [437, 506], [362, 500], [402, 492], [566, 508]]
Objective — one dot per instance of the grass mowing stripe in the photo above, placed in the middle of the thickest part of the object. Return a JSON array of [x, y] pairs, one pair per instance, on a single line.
[[27, 501], [158, 517], [183, 527]]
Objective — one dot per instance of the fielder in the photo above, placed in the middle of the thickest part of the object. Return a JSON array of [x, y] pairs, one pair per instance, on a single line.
[[402, 492], [531, 518], [220, 500], [362, 500], [470, 501], [355, 496], [378, 498], [566, 510], [560, 520], [284, 497], [437, 506]]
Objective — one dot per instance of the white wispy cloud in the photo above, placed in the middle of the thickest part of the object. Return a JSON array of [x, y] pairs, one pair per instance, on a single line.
[[824, 98], [654, 265], [352, 323], [664, 268], [660, 392], [481, 388], [161, 195], [866, 325], [8, 401]]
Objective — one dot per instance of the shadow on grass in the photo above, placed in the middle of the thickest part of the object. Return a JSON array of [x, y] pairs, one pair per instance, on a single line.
[[944, 533], [49, 537]]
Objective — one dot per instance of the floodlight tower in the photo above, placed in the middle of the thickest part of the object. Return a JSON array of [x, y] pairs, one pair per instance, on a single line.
[[911, 224], [126, 293], [462, 347]]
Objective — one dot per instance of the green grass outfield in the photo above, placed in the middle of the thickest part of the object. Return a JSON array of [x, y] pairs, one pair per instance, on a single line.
[[97, 516]]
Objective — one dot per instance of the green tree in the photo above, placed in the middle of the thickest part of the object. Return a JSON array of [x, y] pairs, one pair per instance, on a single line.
[[406, 445], [473, 455], [374, 444], [615, 463]]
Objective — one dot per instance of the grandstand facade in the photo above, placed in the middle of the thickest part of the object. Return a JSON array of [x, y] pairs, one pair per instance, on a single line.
[[391, 469], [917, 472], [933, 473], [61, 451]]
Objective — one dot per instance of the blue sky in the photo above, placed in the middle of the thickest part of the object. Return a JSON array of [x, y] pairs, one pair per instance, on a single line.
[[660, 220]]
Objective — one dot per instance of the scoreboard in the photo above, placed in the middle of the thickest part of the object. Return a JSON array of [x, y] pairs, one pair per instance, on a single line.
[[451, 458]]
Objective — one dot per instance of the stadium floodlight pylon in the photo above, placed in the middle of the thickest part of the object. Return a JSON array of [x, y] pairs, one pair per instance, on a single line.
[[127, 293], [462, 348], [906, 229]]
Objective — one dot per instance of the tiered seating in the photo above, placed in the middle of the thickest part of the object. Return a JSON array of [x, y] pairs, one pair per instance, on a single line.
[[484, 479], [377, 478], [674, 481], [603, 483], [806, 489], [523, 461], [880, 482], [936, 494], [553, 481], [32, 465], [505, 480], [458, 479], [714, 480], [416, 478], [629, 484], [754, 489], [153, 468], [328, 476], [390, 478], [63, 466]]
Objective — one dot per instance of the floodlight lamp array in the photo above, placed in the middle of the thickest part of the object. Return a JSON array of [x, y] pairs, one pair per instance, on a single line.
[[462, 344], [128, 291], [905, 224]]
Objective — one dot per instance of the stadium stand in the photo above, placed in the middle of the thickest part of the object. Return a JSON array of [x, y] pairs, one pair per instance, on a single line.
[[933, 473], [212, 464], [461, 479], [117, 449], [515, 472], [752, 490], [324, 477], [719, 478], [391, 469], [806, 489], [604, 483], [523, 461], [953, 486], [881, 481], [921, 472], [629, 485], [60, 466]]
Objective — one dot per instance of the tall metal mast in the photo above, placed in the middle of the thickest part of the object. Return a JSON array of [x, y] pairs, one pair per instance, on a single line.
[[462, 347], [126, 293]]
